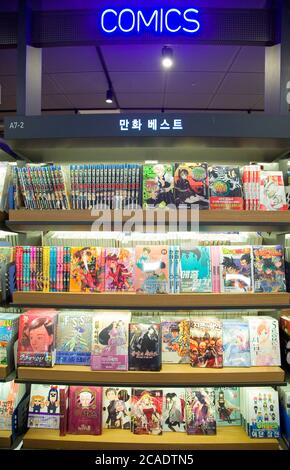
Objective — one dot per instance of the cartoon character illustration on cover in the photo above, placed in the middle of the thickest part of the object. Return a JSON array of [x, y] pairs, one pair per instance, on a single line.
[[38, 335], [52, 400], [146, 342], [224, 411], [264, 346], [86, 400], [147, 411], [237, 348], [113, 337], [77, 342], [86, 269], [118, 414], [274, 196], [37, 403], [270, 274], [117, 273], [199, 407], [175, 410], [156, 280], [225, 181], [160, 187], [191, 188], [237, 275]]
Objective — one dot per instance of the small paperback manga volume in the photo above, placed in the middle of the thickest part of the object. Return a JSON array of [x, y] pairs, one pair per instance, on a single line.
[[152, 269], [236, 269], [44, 406], [175, 340], [174, 410], [147, 411], [191, 185], [264, 341], [269, 269], [158, 184], [272, 191], [36, 340], [206, 345], [119, 269], [263, 420], [110, 341], [195, 269], [74, 338], [236, 343], [87, 270], [200, 411], [85, 410], [225, 188], [11, 394], [116, 408], [228, 406], [144, 345]]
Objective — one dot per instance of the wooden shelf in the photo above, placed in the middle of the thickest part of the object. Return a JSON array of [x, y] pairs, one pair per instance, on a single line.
[[5, 439], [227, 438], [143, 301], [6, 373], [170, 375]]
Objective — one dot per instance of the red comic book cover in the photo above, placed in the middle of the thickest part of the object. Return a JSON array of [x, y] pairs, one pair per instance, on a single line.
[[147, 411], [85, 410], [119, 269]]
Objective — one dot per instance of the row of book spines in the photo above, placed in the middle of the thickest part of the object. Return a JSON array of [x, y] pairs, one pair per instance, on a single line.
[[251, 186]]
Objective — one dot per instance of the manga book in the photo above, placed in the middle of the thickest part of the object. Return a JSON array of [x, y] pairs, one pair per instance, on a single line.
[[147, 411], [87, 270], [152, 269], [191, 185], [264, 341], [44, 406], [206, 345], [225, 188], [262, 417], [200, 411], [11, 394], [228, 406], [144, 345], [8, 334], [110, 341], [269, 269], [236, 269], [85, 410], [272, 191], [119, 269], [74, 338], [174, 410], [158, 184], [236, 343], [175, 340], [116, 408], [195, 269]]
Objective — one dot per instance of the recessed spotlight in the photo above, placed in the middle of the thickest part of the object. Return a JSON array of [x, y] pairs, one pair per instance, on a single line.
[[109, 96], [167, 57]]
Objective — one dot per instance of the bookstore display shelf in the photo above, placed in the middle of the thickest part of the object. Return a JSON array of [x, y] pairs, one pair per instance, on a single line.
[[169, 376], [143, 301], [228, 438], [4, 373], [5, 439]]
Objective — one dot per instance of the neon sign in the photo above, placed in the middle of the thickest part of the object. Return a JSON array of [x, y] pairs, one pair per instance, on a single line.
[[158, 21]]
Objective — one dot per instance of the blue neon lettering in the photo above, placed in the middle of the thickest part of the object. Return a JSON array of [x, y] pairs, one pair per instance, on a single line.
[[191, 20], [126, 10], [161, 21], [172, 10], [141, 16], [103, 20]]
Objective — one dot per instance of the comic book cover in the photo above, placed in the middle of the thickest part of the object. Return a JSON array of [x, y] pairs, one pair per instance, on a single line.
[[146, 411], [269, 269], [37, 338], [200, 411], [225, 188], [11, 393], [191, 185], [236, 343], [152, 269], [74, 338], [8, 334], [120, 269], [272, 191], [263, 413], [264, 341], [175, 340], [87, 270], [85, 410], [228, 406], [44, 411], [116, 408], [174, 410], [110, 341], [206, 345], [158, 184], [195, 269], [144, 345], [236, 269]]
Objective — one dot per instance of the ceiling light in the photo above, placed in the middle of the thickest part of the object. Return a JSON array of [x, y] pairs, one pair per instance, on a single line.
[[109, 96], [167, 57]]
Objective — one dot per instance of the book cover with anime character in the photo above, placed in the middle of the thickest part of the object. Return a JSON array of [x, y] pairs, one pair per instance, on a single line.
[[116, 408], [236, 343], [272, 191], [175, 340], [74, 338], [144, 345], [174, 410], [158, 184], [191, 185], [85, 410], [87, 270], [110, 341], [236, 269], [206, 345], [200, 411], [195, 269], [119, 269], [147, 411], [11, 394], [269, 269], [228, 406], [225, 188], [44, 406], [152, 269], [263, 419], [264, 341]]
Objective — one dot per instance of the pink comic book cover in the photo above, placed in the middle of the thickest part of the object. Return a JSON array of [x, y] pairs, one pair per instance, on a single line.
[[85, 410], [152, 273], [87, 270], [119, 269]]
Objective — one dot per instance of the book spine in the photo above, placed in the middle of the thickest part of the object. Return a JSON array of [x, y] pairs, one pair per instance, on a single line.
[[46, 268], [19, 268], [63, 408]]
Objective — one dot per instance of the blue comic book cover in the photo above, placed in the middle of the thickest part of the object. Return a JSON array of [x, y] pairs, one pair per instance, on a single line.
[[236, 343], [228, 406], [195, 269], [74, 338]]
